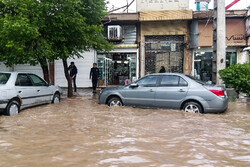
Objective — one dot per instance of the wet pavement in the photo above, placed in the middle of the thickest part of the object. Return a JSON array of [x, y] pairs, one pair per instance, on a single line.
[[80, 132]]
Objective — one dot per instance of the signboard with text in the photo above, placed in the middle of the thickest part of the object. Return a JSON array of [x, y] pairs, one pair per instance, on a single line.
[[156, 5]]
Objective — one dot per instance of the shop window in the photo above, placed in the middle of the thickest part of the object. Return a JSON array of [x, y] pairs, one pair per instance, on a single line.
[[167, 51], [203, 66], [231, 58], [116, 68]]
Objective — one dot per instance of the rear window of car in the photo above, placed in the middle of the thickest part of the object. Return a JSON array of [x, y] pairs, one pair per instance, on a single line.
[[196, 80], [4, 77]]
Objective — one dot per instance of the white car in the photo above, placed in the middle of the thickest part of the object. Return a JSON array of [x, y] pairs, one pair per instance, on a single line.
[[19, 90]]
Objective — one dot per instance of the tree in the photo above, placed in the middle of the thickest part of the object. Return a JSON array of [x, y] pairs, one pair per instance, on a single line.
[[38, 31]]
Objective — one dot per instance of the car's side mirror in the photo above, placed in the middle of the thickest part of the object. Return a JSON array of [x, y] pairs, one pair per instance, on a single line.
[[134, 85]]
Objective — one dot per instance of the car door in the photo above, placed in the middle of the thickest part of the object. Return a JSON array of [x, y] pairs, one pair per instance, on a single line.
[[143, 94], [171, 91], [26, 90], [44, 92]]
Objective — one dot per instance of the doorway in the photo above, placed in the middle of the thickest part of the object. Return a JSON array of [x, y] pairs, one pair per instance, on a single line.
[[117, 68]]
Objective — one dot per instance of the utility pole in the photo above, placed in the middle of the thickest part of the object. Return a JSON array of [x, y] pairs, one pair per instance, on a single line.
[[219, 40]]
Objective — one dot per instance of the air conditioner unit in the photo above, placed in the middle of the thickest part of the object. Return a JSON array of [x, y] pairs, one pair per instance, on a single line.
[[115, 33]]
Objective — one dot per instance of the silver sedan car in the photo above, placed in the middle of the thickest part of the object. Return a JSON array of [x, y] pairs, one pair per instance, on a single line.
[[168, 90], [19, 90]]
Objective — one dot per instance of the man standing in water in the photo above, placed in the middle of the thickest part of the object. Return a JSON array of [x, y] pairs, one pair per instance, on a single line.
[[94, 75], [72, 73]]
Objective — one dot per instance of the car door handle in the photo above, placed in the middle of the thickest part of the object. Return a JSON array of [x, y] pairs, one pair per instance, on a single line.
[[38, 90], [151, 90], [181, 90], [19, 91]]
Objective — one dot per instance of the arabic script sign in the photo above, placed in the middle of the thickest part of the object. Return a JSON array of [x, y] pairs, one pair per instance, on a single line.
[[156, 5]]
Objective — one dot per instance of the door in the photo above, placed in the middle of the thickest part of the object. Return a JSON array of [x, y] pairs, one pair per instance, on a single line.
[[26, 90], [44, 92], [171, 92], [143, 94]]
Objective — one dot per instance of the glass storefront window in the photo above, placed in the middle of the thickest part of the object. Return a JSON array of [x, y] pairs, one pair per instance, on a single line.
[[231, 58], [203, 64], [116, 68], [166, 51]]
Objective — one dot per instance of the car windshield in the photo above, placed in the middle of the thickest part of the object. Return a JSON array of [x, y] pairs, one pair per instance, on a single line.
[[4, 77], [196, 80]]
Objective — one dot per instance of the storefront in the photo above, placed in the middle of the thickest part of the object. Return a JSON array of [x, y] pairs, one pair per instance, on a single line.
[[164, 39], [203, 63], [202, 40], [166, 51], [118, 67]]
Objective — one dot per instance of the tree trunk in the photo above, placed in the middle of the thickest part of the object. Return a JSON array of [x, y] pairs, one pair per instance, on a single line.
[[69, 79], [46, 73], [45, 68]]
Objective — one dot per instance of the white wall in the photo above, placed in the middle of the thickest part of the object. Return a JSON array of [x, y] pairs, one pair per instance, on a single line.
[[3, 67], [28, 68], [23, 68], [83, 65]]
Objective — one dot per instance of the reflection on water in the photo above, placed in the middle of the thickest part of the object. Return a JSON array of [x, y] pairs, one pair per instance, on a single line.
[[79, 132]]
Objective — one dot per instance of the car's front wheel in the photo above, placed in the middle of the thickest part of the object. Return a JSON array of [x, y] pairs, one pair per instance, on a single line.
[[12, 108], [114, 101], [56, 98], [192, 107]]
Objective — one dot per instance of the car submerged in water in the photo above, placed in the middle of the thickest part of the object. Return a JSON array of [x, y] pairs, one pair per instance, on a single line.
[[170, 91], [19, 90]]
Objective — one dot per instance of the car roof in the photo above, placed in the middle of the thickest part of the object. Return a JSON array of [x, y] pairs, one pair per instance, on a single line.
[[168, 74], [14, 72]]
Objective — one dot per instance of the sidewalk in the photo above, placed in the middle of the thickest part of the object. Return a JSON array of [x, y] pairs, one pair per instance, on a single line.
[[80, 92]]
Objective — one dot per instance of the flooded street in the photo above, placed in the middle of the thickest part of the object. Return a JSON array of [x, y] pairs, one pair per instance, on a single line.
[[79, 132]]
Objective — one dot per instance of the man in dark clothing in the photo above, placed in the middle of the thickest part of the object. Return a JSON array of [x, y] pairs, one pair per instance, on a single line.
[[162, 70], [94, 75], [72, 73]]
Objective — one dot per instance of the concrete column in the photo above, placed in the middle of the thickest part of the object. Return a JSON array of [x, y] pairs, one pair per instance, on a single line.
[[219, 40]]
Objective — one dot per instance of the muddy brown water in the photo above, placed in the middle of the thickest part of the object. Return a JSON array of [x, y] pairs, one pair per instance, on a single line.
[[79, 132]]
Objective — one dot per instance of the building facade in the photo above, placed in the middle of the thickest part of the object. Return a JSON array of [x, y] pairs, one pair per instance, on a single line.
[[121, 65], [201, 44], [164, 40]]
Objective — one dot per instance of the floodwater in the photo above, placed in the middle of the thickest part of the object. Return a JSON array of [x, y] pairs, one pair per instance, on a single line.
[[79, 132]]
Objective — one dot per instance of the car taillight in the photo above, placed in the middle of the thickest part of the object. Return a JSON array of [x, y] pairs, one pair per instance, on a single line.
[[218, 92]]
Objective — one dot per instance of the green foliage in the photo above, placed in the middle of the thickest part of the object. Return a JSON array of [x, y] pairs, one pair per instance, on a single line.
[[237, 76], [34, 31]]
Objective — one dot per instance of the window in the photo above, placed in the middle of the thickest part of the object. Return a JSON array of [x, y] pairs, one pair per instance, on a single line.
[[149, 81], [231, 58], [37, 80], [171, 80], [182, 82], [4, 77], [203, 66], [23, 80]]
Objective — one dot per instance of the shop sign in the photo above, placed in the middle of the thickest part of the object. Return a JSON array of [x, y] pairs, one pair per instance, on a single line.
[[156, 5], [126, 46], [166, 15], [248, 26], [235, 33]]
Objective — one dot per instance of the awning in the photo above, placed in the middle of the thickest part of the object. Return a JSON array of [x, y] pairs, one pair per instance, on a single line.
[[246, 49]]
